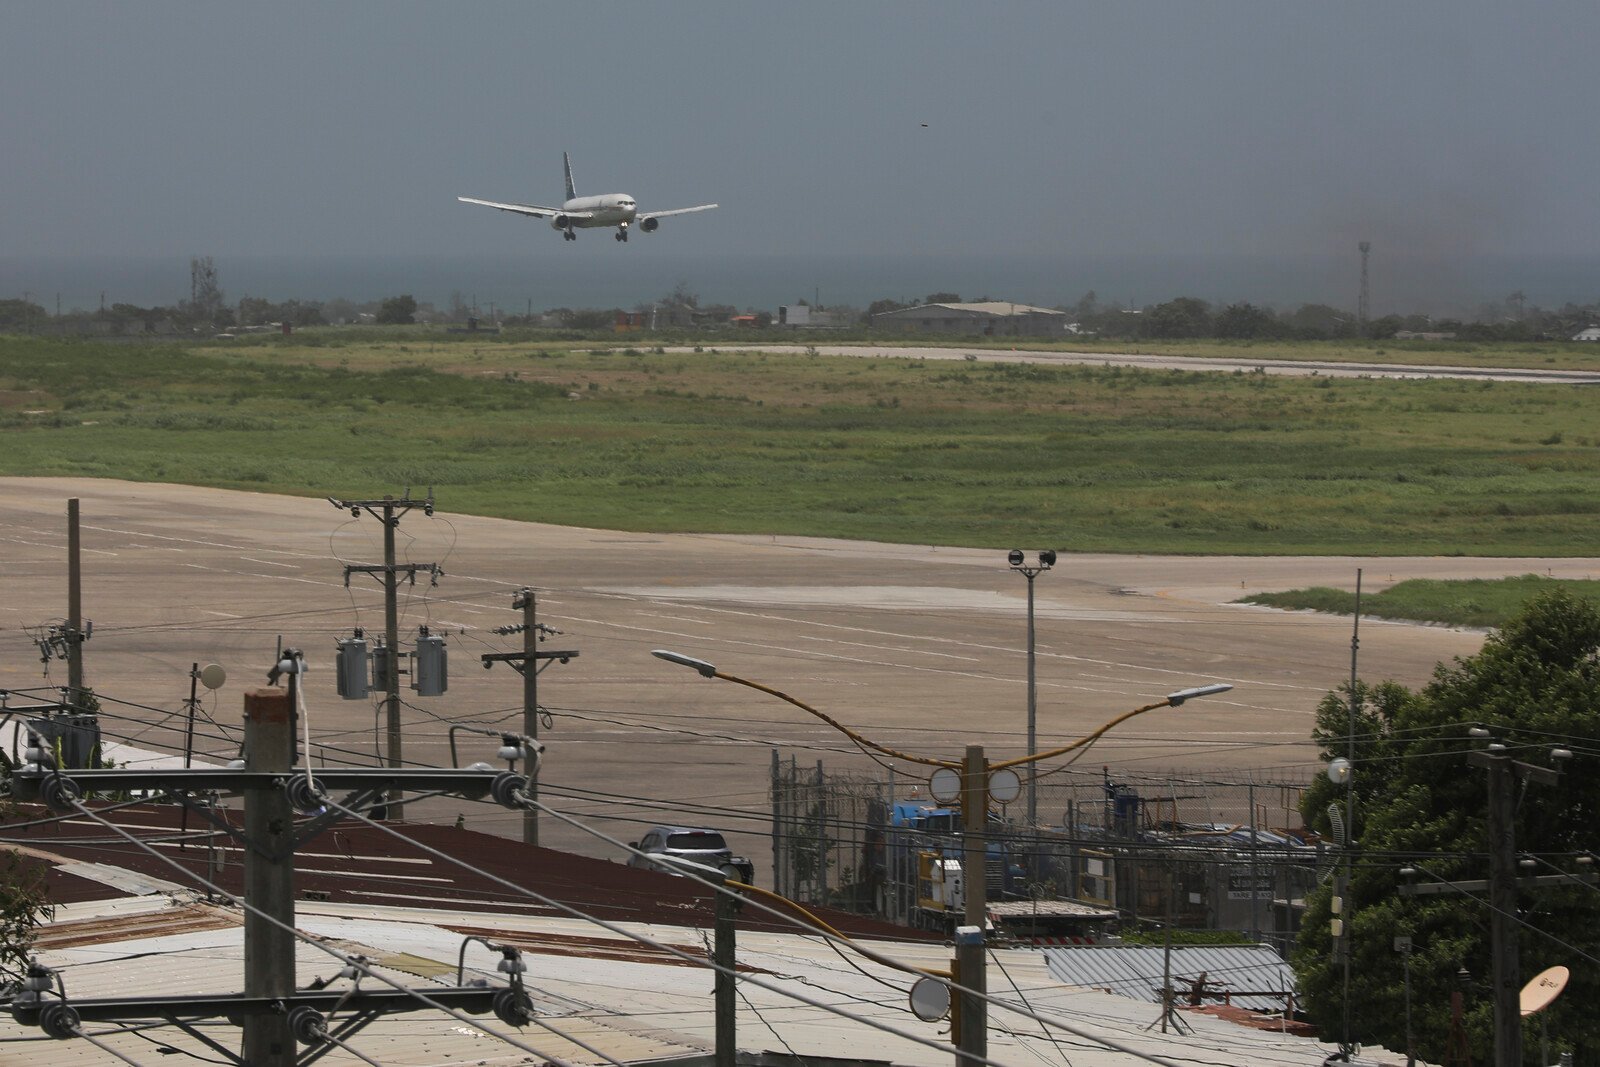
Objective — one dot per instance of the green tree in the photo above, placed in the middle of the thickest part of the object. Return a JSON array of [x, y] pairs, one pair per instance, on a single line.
[[23, 902], [1183, 317], [1246, 321], [942, 298], [21, 313], [1535, 682], [398, 310]]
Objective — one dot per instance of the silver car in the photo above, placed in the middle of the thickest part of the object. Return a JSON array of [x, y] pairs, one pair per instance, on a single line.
[[694, 844]]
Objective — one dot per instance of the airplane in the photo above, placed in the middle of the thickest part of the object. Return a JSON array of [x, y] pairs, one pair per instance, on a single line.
[[584, 212]]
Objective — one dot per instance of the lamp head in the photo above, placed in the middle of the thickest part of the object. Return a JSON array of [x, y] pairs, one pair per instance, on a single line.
[[1047, 558], [1175, 699], [1338, 771], [1014, 557], [705, 669]]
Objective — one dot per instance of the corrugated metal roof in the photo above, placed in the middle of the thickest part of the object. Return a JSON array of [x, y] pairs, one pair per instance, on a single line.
[[1136, 971], [633, 1010]]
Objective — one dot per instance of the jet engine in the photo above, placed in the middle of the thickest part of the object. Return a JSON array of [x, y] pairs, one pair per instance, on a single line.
[[558, 222], [649, 225]]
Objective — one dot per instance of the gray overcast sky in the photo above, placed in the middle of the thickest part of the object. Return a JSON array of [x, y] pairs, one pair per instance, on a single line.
[[291, 128]]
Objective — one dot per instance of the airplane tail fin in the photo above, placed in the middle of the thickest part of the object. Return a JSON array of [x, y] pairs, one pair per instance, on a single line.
[[566, 164]]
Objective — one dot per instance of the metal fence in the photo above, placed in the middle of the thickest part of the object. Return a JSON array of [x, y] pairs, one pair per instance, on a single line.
[[1212, 852]]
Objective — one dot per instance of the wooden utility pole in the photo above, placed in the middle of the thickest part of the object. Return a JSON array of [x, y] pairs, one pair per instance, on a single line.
[[74, 634], [725, 957], [527, 663], [528, 602], [388, 511], [391, 641], [1506, 775], [972, 966], [268, 877]]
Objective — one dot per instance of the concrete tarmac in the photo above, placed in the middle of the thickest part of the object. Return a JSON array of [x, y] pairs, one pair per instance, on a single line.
[[1215, 364], [922, 648]]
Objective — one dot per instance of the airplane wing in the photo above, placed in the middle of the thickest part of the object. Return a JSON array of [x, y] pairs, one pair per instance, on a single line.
[[675, 211], [533, 209]]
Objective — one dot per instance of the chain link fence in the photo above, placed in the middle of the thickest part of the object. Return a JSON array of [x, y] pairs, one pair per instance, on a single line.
[[1213, 852]]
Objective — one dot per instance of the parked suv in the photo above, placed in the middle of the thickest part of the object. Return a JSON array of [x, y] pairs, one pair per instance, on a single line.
[[694, 844]]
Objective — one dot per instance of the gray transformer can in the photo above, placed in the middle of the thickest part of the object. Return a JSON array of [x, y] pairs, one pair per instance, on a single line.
[[431, 676], [354, 663]]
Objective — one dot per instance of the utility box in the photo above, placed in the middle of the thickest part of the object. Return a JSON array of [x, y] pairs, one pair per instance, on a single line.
[[430, 676], [73, 740], [354, 662]]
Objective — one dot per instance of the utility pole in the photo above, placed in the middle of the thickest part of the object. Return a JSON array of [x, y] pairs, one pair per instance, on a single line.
[[526, 663], [1342, 887], [268, 876], [1506, 779], [74, 634], [388, 511], [275, 1016], [725, 957], [972, 966]]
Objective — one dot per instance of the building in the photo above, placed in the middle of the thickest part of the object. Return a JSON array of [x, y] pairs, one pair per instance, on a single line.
[[994, 318], [1590, 334], [806, 317]]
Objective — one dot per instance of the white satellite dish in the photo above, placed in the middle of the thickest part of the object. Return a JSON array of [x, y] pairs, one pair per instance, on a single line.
[[930, 1000], [212, 676], [1004, 785], [944, 785], [1542, 988]]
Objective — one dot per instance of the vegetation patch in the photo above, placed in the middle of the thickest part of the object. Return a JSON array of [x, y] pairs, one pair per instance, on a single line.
[[1483, 602], [1086, 458]]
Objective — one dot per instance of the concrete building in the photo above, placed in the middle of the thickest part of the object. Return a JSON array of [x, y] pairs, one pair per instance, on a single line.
[[994, 318]]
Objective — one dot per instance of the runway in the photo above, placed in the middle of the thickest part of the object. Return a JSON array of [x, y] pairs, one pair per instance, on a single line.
[[1213, 364], [919, 647]]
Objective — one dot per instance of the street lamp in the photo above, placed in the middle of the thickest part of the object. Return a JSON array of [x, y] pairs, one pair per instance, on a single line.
[[1047, 559], [970, 1021]]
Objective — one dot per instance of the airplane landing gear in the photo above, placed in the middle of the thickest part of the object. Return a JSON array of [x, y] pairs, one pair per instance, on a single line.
[[622, 232], [568, 235]]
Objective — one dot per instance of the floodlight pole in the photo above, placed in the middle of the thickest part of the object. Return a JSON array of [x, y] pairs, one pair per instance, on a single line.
[[1047, 559]]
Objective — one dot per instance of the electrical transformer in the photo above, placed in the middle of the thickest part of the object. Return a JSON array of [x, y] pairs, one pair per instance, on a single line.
[[354, 662], [430, 677]]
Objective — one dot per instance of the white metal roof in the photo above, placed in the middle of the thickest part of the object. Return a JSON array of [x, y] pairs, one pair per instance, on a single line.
[[631, 1007]]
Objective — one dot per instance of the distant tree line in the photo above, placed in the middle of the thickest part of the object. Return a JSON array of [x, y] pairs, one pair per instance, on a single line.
[[1184, 317]]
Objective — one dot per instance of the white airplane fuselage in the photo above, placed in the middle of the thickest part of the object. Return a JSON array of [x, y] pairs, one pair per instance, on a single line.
[[618, 210], [608, 209]]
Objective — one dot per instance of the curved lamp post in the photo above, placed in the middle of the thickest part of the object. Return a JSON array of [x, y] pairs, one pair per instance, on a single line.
[[969, 1023]]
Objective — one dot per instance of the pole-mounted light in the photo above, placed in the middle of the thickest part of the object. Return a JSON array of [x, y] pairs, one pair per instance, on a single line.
[[700, 665], [1175, 699]]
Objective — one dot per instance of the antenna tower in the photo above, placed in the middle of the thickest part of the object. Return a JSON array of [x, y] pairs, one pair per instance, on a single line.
[[1361, 301]]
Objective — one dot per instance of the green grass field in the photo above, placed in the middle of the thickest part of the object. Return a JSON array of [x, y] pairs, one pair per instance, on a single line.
[[1088, 459], [1463, 602]]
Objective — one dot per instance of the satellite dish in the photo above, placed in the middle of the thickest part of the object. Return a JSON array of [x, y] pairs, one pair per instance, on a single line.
[[1542, 988], [212, 676], [1004, 785], [944, 785], [930, 1000]]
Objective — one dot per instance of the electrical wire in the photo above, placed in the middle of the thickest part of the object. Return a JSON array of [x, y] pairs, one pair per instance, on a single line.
[[347, 960], [652, 942], [953, 986]]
